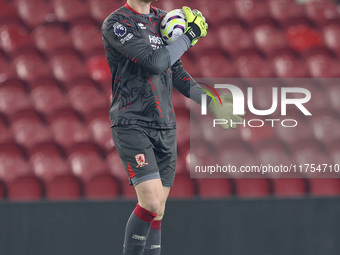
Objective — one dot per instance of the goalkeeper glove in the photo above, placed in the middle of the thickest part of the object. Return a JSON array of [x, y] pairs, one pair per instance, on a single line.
[[224, 111], [196, 25]]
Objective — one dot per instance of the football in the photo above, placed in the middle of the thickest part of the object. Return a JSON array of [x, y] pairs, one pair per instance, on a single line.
[[173, 25]]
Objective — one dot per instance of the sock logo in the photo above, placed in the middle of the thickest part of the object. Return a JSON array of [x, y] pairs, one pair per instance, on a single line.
[[137, 237], [140, 159], [155, 246]]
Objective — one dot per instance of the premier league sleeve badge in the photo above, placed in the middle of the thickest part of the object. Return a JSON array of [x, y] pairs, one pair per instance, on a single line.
[[119, 29]]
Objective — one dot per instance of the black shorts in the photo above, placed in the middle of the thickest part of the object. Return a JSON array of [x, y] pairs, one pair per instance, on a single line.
[[147, 153]]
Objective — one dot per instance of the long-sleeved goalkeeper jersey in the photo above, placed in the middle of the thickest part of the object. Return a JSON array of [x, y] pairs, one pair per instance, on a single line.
[[142, 77]]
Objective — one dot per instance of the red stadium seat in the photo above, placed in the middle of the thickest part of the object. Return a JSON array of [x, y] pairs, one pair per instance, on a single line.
[[251, 64], [100, 9], [99, 125], [7, 9], [183, 126], [215, 65], [309, 152], [288, 65], [324, 187], [301, 36], [63, 187], [69, 10], [5, 134], [180, 102], [2, 190], [208, 42], [85, 97], [235, 155], [86, 37], [12, 162], [47, 96], [331, 35], [13, 97], [333, 150], [28, 128], [34, 12], [128, 192], [283, 10], [333, 95], [31, 66], [214, 188], [268, 36], [51, 37], [67, 65], [189, 63], [254, 136], [86, 161], [321, 64], [315, 90], [252, 188], [292, 135], [116, 167], [289, 187], [251, 9], [25, 188], [272, 153], [14, 37], [325, 126], [7, 70], [102, 187], [47, 161], [321, 11], [215, 10], [234, 36], [183, 188], [67, 128], [98, 68]]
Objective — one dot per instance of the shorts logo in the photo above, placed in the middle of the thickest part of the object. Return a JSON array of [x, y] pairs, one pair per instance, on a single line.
[[140, 159], [119, 29]]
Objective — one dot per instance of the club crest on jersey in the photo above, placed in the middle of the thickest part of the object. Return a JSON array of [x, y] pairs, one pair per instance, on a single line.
[[119, 29], [140, 159]]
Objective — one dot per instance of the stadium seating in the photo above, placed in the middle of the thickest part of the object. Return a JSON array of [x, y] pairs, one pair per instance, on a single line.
[[28, 129], [324, 187], [50, 37], [184, 187], [34, 12], [13, 97], [289, 187], [55, 85], [67, 129], [252, 188], [214, 188], [47, 96]]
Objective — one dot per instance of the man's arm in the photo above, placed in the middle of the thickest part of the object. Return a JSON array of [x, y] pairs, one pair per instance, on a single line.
[[127, 40], [185, 84]]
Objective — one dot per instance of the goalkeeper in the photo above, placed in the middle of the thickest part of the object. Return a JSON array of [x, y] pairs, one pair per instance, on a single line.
[[143, 123]]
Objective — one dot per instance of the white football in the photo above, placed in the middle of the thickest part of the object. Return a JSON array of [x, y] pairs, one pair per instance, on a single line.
[[173, 25]]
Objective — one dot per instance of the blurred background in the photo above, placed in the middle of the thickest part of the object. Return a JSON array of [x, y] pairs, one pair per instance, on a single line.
[[55, 137], [55, 85]]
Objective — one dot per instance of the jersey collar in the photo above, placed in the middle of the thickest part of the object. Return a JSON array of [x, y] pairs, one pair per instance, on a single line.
[[134, 11]]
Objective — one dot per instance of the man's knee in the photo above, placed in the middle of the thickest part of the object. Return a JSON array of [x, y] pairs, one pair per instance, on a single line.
[[160, 213], [152, 205]]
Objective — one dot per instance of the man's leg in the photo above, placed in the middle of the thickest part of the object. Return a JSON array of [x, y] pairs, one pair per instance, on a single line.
[[150, 197], [153, 242]]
